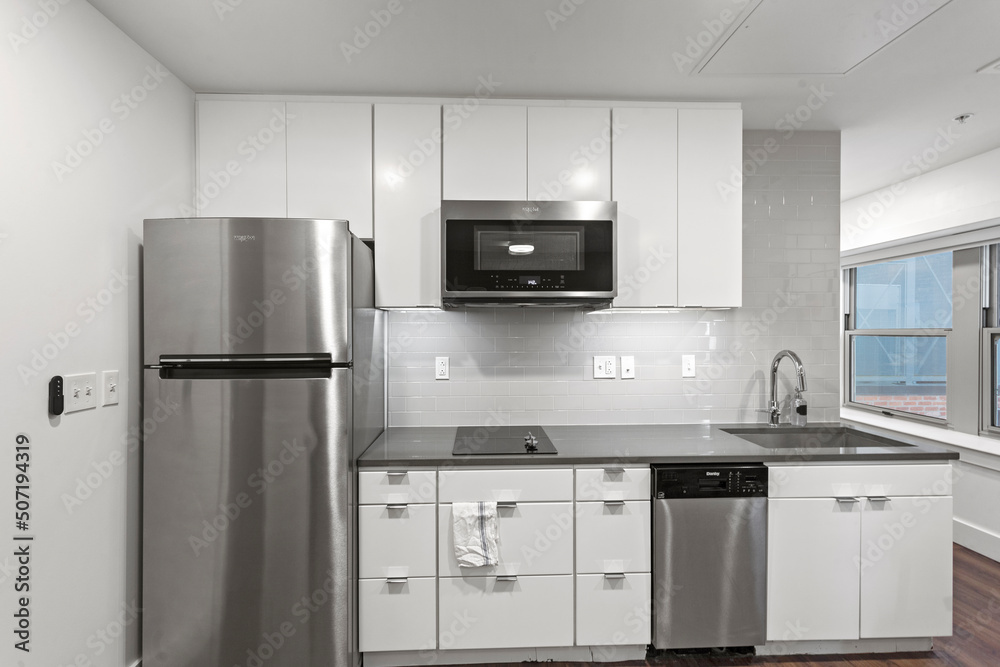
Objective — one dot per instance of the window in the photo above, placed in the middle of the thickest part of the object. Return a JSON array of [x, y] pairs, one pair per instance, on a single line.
[[899, 326]]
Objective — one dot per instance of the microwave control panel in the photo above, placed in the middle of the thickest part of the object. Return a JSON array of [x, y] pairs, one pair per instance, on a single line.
[[527, 282]]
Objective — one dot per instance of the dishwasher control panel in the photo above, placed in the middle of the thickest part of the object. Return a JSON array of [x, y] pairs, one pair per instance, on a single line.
[[728, 480]]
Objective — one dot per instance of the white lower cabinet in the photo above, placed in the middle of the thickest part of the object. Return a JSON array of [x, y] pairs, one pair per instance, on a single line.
[[613, 609], [865, 563], [506, 612], [613, 536], [396, 615]]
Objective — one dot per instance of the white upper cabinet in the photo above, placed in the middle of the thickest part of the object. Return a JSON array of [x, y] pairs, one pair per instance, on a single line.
[[644, 168], [485, 152], [407, 169], [569, 153], [241, 158], [709, 208], [330, 163]]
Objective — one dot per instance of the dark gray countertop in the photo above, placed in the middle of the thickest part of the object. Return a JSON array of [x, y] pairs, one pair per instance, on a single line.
[[642, 443]]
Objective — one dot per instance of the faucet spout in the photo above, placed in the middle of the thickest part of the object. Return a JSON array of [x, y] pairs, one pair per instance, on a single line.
[[800, 376]]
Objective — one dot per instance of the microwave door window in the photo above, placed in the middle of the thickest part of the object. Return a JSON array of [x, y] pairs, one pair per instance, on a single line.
[[555, 249]]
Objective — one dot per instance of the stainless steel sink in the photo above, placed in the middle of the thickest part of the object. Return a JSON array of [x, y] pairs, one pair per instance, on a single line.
[[812, 437]]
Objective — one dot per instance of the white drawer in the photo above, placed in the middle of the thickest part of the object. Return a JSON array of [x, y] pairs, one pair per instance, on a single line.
[[377, 487], [535, 538], [396, 542], [612, 483], [397, 616], [613, 610], [519, 485], [822, 481], [613, 536], [482, 612]]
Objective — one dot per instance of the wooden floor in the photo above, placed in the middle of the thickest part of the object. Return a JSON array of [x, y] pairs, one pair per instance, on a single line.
[[975, 641]]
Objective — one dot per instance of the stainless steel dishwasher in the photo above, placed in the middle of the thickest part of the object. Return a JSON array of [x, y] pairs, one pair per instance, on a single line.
[[709, 555]]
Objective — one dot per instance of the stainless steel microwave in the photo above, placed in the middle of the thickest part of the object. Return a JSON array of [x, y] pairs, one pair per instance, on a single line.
[[528, 253]]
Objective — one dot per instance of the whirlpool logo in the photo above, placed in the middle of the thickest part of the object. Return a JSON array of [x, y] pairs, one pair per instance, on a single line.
[[243, 238], [530, 209]]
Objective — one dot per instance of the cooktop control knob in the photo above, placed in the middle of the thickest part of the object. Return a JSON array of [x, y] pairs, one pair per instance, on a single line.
[[530, 443]]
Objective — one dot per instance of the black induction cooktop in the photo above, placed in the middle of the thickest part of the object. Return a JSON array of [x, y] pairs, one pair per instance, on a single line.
[[501, 440]]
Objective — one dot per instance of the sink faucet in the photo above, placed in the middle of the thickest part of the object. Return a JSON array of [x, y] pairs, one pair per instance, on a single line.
[[799, 405]]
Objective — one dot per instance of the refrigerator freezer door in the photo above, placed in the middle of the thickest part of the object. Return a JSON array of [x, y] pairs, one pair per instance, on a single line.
[[247, 522], [236, 286]]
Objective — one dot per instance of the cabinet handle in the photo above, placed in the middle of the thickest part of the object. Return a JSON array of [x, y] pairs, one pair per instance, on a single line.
[[614, 503], [614, 575], [879, 499], [506, 505], [396, 506], [396, 580], [507, 577], [396, 473], [848, 500], [614, 471]]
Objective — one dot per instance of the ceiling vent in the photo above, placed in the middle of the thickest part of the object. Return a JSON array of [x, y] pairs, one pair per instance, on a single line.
[[992, 68]]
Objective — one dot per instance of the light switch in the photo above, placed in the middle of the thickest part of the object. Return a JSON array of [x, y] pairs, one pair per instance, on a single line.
[[80, 391], [109, 388], [687, 366], [628, 368]]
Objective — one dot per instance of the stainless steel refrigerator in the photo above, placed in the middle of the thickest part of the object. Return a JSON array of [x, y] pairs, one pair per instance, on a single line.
[[263, 383]]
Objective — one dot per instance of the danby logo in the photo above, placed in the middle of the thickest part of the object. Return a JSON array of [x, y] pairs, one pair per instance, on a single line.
[[530, 209], [711, 474], [243, 238]]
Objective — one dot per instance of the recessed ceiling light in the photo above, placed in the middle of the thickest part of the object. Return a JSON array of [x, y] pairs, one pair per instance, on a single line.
[[963, 118], [992, 68]]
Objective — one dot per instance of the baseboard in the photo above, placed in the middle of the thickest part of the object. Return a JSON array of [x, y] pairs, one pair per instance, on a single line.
[[613, 653], [847, 646], [978, 539]]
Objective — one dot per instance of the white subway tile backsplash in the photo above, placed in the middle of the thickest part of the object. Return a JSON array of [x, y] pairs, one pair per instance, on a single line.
[[535, 366]]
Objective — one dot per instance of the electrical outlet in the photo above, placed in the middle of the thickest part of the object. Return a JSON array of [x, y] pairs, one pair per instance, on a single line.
[[109, 388], [80, 391], [442, 370], [628, 368], [687, 366], [604, 367]]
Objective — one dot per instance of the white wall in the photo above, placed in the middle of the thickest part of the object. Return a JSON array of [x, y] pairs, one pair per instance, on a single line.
[[69, 236], [960, 197]]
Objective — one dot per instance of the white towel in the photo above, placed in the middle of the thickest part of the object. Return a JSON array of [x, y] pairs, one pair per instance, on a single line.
[[476, 537]]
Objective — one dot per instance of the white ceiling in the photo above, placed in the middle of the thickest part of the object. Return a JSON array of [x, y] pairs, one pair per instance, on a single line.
[[911, 66]]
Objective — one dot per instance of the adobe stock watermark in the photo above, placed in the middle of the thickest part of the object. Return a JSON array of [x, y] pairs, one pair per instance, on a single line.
[[87, 485], [580, 159], [121, 108], [697, 45], [566, 9], [756, 157], [425, 147], [224, 7], [899, 16], [87, 310], [248, 149], [106, 637], [32, 24], [916, 165], [365, 33]]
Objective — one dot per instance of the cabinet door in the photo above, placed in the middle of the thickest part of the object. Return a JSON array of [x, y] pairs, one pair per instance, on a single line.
[[397, 615], [485, 152], [569, 153], [407, 164], [613, 536], [644, 183], [535, 538], [484, 612], [812, 569], [241, 159], [613, 610], [709, 207], [330, 163], [906, 567]]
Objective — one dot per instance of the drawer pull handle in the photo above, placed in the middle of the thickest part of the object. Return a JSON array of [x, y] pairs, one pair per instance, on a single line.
[[615, 471], [507, 577], [614, 575], [396, 580], [847, 499], [506, 505], [396, 506], [614, 503], [879, 499], [396, 473]]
